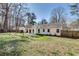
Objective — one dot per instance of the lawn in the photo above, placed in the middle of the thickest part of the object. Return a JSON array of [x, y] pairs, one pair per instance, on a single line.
[[13, 44]]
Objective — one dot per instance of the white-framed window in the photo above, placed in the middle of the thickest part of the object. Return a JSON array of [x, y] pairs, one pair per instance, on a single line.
[[57, 30], [38, 30], [48, 30], [30, 31]]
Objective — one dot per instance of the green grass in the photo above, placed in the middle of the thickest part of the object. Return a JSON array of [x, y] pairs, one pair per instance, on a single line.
[[13, 44]]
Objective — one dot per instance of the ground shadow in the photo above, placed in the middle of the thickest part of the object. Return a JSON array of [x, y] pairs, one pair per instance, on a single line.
[[11, 48]]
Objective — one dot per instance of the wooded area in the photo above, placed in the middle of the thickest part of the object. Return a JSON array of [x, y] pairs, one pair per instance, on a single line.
[[17, 14], [14, 15]]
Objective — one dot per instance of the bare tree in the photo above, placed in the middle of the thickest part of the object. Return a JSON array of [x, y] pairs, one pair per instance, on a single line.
[[12, 13], [58, 16], [19, 14], [5, 7]]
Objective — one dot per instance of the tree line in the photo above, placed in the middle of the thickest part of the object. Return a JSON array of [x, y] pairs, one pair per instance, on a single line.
[[16, 14], [59, 17]]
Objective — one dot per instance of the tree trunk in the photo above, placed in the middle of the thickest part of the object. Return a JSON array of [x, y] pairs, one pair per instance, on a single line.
[[6, 19]]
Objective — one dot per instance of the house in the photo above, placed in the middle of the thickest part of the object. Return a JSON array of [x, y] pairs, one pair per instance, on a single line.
[[21, 29], [50, 29], [74, 26]]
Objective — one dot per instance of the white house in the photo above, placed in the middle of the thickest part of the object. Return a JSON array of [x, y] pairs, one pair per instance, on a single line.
[[51, 29]]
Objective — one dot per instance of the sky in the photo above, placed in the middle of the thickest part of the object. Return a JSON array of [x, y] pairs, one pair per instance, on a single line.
[[43, 10]]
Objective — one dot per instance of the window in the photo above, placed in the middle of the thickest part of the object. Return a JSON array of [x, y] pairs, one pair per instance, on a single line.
[[29, 31], [43, 30], [57, 31], [38, 30], [48, 30]]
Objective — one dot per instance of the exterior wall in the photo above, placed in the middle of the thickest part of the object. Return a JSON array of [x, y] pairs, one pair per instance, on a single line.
[[58, 34], [45, 31], [44, 27], [22, 28], [33, 30], [52, 30], [30, 30]]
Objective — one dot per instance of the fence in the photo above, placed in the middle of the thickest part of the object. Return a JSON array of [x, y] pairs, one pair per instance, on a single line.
[[72, 34]]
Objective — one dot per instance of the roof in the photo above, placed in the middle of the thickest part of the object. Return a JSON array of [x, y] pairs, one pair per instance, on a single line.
[[42, 26]]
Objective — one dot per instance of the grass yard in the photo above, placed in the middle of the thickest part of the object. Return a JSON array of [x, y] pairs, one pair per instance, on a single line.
[[13, 44]]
